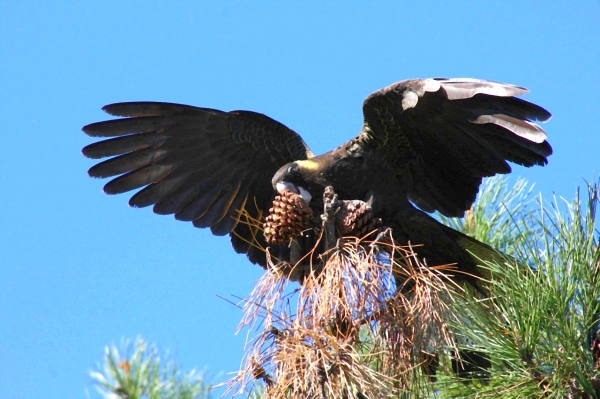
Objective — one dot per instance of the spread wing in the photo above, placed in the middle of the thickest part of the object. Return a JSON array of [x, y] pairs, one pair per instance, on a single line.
[[210, 167], [441, 136]]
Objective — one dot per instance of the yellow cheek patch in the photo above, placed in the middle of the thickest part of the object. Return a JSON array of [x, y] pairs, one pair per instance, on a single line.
[[308, 164]]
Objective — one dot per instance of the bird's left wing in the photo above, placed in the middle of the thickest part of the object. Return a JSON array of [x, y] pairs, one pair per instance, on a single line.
[[441, 136], [202, 165]]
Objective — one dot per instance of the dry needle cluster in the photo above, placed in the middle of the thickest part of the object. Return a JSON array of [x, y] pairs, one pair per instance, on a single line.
[[361, 325]]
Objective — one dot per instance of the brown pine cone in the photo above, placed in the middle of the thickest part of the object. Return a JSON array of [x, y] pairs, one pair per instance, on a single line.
[[288, 218], [356, 219]]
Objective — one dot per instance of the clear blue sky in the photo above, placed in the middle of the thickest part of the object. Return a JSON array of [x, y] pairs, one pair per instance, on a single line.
[[80, 269]]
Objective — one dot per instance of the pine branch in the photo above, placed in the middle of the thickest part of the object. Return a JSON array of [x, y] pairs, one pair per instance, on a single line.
[[540, 329], [139, 373]]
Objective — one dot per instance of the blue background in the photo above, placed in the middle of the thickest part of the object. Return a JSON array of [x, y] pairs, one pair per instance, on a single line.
[[80, 269]]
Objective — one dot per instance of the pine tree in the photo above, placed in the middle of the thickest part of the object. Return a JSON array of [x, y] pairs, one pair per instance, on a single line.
[[539, 326]]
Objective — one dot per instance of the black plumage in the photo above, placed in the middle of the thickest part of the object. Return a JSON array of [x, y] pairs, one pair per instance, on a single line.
[[424, 142]]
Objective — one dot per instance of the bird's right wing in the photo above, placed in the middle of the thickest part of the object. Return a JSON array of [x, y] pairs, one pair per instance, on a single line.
[[210, 167], [442, 136]]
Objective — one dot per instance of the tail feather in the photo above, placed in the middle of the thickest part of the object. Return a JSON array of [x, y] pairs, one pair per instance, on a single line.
[[438, 244], [477, 251]]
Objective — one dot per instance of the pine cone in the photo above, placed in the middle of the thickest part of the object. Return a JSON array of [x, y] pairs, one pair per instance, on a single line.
[[356, 219], [288, 218]]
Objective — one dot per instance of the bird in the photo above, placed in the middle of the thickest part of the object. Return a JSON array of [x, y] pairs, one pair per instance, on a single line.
[[424, 146]]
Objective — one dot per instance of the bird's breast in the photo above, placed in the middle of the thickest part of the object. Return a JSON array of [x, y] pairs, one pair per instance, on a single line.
[[360, 178]]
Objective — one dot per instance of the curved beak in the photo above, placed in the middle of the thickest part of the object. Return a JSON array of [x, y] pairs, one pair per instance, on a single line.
[[283, 186]]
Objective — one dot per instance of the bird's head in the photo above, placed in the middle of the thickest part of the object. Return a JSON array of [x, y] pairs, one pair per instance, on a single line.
[[292, 177]]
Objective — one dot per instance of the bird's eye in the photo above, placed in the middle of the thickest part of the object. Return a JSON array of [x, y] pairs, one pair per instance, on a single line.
[[292, 169]]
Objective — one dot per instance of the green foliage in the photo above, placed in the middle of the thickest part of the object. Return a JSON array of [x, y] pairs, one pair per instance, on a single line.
[[141, 374], [540, 329]]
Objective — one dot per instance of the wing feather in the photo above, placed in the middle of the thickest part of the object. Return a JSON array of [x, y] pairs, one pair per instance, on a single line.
[[200, 164], [154, 192], [220, 208], [120, 127], [225, 225], [121, 145], [126, 162], [137, 178], [442, 136]]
